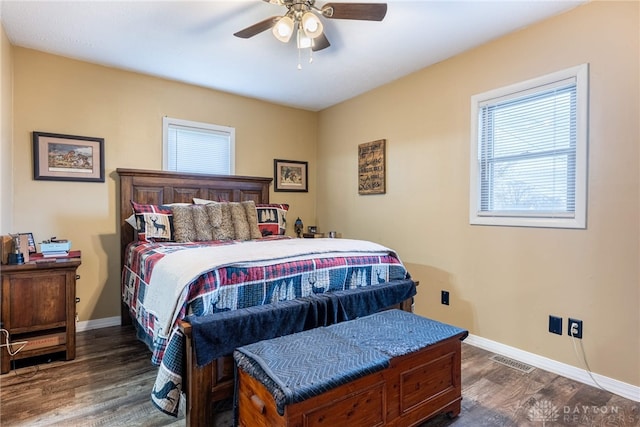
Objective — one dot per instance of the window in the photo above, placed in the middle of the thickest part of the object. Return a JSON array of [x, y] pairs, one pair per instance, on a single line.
[[529, 152], [194, 147]]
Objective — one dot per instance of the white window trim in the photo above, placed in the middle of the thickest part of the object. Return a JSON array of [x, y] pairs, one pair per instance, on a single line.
[[581, 74], [167, 121]]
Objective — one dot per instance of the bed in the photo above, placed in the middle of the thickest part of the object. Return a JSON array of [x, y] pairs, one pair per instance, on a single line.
[[181, 372]]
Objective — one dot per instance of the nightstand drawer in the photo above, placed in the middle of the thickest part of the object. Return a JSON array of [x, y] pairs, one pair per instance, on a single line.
[[37, 300]]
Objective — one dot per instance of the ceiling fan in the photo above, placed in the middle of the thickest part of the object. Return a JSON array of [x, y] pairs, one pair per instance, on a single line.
[[302, 19]]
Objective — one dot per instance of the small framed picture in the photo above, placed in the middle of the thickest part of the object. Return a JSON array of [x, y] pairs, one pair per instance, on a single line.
[[290, 175], [67, 157], [31, 243]]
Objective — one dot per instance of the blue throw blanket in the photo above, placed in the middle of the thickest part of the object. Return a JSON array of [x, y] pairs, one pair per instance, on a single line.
[[218, 334], [299, 366]]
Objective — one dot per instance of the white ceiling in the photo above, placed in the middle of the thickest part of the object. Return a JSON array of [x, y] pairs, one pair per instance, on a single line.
[[193, 42]]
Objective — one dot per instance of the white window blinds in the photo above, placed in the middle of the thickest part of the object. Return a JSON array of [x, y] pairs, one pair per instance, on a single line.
[[530, 154], [194, 147]]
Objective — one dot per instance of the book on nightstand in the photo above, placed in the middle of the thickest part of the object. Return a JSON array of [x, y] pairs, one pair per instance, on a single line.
[[53, 256]]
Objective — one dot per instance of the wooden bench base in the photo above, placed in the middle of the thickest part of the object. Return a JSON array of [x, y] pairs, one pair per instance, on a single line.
[[414, 388]]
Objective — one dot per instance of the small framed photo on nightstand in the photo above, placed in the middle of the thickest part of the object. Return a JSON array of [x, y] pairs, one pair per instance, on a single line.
[[31, 243]]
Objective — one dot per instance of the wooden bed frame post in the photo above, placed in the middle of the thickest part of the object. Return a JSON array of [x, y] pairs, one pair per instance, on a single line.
[[199, 411], [205, 385]]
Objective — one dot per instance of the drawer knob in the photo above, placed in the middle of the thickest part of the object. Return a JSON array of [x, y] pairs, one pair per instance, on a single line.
[[77, 300], [77, 277], [258, 403]]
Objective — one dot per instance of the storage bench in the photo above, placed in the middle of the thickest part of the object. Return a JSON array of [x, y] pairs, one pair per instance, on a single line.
[[392, 368]]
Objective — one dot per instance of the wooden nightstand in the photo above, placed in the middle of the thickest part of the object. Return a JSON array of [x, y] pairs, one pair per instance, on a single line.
[[39, 307]]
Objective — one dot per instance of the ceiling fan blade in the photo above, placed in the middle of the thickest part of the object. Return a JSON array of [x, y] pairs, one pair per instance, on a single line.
[[257, 28], [360, 11], [320, 42]]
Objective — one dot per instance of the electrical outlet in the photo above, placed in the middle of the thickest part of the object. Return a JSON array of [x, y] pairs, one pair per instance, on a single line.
[[444, 297], [575, 328], [555, 324]]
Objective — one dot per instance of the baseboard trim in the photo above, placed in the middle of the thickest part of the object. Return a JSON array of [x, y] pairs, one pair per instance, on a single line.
[[106, 322], [628, 391]]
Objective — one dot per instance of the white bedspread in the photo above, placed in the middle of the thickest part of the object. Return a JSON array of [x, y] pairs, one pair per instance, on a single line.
[[171, 274]]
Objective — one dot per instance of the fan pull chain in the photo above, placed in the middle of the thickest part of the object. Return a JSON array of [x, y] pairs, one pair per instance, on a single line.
[[299, 57]]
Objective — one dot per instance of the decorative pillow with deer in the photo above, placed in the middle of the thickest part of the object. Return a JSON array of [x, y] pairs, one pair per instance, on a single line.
[[154, 222]]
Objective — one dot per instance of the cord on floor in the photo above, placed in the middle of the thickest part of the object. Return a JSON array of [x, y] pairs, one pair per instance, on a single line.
[[586, 364]]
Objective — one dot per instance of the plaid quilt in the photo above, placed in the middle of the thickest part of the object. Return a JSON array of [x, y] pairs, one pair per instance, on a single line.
[[230, 288]]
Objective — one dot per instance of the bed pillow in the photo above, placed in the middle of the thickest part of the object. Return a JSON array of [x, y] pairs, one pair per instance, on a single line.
[[214, 211], [184, 230], [272, 218], [226, 231], [198, 223], [220, 218], [204, 230], [154, 222], [238, 220], [198, 201], [132, 221], [240, 224], [252, 219]]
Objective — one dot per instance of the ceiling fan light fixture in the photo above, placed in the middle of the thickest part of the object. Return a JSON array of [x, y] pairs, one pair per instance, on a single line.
[[303, 18], [311, 25], [283, 29]]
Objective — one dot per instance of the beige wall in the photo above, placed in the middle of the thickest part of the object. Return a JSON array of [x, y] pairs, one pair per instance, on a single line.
[[6, 135], [59, 95], [505, 281]]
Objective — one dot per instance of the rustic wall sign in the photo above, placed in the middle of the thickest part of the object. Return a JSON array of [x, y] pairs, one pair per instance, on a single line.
[[371, 167]]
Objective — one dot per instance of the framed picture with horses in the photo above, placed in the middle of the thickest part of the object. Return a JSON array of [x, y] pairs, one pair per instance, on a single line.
[[59, 157]]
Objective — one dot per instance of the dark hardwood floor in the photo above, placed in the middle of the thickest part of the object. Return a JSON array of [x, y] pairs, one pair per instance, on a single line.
[[109, 383]]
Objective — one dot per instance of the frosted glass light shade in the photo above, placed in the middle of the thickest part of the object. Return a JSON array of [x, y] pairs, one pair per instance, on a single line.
[[283, 30], [303, 40], [311, 25]]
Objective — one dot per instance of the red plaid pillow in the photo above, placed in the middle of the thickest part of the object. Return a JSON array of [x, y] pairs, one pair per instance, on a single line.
[[272, 218], [154, 222]]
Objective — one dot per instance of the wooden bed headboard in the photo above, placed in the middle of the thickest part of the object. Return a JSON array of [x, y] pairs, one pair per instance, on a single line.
[[160, 187]]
